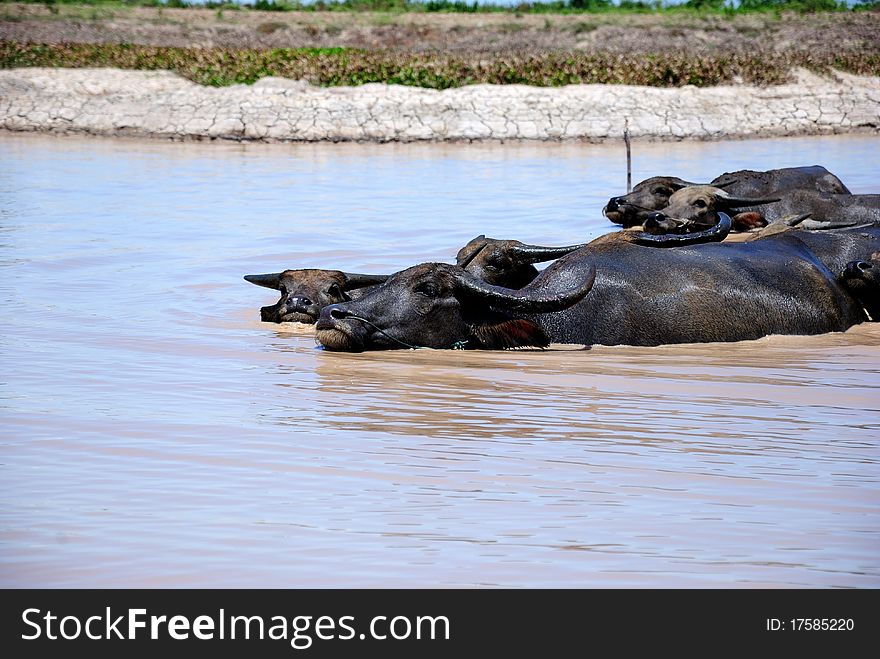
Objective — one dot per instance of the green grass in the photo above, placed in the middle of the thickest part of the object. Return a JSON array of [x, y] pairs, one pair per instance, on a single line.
[[348, 66]]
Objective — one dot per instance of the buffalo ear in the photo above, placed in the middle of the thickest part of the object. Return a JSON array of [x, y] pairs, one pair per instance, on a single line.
[[468, 252], [513, 333]]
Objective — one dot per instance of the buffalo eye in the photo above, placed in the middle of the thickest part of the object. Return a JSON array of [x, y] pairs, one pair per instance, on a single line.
[[428, 289], [660, 191], [334, 290], [700, 203]]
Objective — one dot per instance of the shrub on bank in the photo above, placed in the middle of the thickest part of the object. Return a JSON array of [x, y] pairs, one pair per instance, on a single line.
[[350, 66], [727, 7]]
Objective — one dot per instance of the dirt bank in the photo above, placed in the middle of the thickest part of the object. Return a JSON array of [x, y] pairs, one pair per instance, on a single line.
[[162, 104]]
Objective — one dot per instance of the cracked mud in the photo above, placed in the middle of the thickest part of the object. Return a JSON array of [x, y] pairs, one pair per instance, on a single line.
[[162, 104]]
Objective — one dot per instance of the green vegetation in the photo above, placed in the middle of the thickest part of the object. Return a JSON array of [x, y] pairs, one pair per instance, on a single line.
[[348, 66], [728, 7]]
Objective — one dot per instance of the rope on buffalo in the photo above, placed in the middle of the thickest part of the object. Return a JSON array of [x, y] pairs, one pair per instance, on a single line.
[[458, 345]]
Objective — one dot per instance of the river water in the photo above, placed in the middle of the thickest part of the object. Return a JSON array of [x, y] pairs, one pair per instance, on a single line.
[[156, 433]]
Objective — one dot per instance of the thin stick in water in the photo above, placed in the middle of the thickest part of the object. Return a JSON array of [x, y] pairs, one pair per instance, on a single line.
[[629, 172]]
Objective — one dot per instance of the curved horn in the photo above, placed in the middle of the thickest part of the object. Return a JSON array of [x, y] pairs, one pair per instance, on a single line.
[[682, 183], [537, 254], [794, 220], [353, 281], [713, 234], [558, 287], [269, 281], [735, 202]]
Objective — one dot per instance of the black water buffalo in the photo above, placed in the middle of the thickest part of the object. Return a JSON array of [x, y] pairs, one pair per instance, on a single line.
[[825, 211], [834, 249], [862, 279], [305, 292], [649, 195], [653, 194], [750, 183], [614, 292], [510, 263], [697, 207]]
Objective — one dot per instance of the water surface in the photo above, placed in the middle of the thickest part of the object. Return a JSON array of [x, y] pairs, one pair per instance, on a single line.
[[155, 433]]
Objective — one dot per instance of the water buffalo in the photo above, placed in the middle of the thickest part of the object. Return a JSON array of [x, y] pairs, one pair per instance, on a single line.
[[825, 211], [696, 207], [485, 256], [634, 295], [750, 183], [305, 292], [510, 263], [653, 194], [649, 195], [862, 279]]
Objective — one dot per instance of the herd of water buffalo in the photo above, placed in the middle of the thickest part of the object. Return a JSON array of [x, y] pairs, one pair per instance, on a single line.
[[786, 251]]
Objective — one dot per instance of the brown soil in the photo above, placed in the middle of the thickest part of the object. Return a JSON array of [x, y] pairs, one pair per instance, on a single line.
[[617, 33]]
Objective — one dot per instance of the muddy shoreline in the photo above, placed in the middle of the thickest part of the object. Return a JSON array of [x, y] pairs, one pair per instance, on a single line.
[[113, 102]]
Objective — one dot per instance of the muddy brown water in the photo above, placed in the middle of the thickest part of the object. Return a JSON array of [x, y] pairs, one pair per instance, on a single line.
[[155, 433]]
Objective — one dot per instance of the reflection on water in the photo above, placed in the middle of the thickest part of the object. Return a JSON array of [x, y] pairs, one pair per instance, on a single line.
[[155, 433]]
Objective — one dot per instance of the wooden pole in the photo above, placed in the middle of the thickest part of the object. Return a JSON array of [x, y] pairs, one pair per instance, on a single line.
[[629, 174]]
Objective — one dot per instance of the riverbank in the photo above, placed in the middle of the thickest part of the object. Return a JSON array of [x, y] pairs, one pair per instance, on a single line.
[[161, 104], [612, 32]]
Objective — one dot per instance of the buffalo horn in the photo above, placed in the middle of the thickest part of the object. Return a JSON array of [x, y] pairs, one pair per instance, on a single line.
[[736, 202], [716, 233], [269, 281], [681, 183], [353, 281], [538, 254], [556, 288]]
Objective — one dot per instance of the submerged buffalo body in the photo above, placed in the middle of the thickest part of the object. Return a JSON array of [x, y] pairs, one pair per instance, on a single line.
[[654, 193], [614, 292], [305, 292], [510, 263], [823, 211], [751, 183]]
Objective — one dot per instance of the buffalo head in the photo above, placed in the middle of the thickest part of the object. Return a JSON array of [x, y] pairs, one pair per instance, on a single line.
[[305, 292], [436, 305], [697, 207], [650, 195], [862, 280], [507, 263]]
